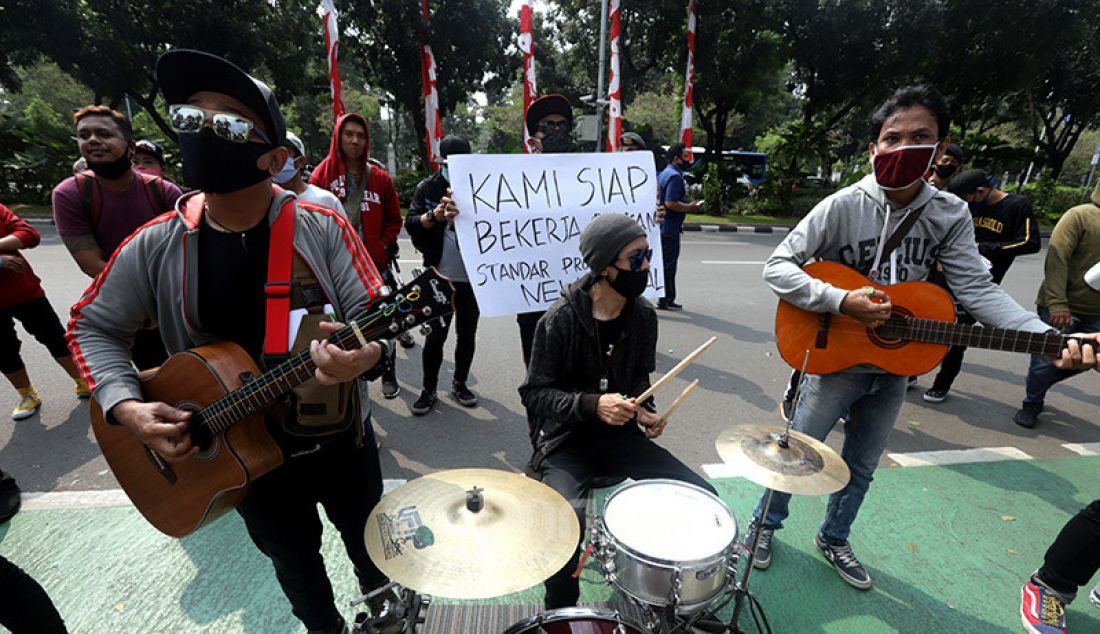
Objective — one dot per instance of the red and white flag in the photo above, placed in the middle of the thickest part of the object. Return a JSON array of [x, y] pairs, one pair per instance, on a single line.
[[432, 127], [689, 81], [332, 42], [614, 90], [527, 47]]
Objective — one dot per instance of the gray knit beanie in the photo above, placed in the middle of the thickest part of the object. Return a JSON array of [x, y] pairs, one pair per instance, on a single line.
[[605, 236]]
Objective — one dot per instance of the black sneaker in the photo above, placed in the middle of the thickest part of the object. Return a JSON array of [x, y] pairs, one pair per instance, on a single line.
[[463, 394], [935, 395], [673, 306], [390, 388], [424, 404], [10, 499], [1028, 416], [763, 557], [340, 628], [406, 340], [844, 562]]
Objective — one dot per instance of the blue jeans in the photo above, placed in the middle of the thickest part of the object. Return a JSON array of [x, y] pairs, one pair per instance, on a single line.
[[1042, 373], [872, 403]]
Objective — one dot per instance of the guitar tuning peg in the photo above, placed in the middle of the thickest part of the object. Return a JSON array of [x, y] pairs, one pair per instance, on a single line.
[[425, 329], [427, 311], [394, 328], [386, 291], [410, 320]]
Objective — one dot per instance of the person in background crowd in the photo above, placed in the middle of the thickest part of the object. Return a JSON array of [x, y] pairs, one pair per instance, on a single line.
[[370, 204], [290, 177], [947, 166], [1065, 300], [430, 223], [148, 158], [95, 212], [1005, 227], [551, 117], [22, 298], [231, 134], [596, 343], [631, 142], [672, 192]]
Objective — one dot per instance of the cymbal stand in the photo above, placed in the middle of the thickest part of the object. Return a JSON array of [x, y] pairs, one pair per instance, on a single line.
[[405, 616]]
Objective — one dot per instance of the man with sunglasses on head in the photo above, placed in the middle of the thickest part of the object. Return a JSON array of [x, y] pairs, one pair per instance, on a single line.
[[370, 203], [593, 352], [95, 210], [203, 274]]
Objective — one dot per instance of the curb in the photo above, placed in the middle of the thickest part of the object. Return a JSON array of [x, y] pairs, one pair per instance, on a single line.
[[38, 220], [732, 228]]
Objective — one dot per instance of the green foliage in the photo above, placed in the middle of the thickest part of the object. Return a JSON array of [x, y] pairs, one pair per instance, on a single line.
[[720, 187], [405, 182], [1050, 200]]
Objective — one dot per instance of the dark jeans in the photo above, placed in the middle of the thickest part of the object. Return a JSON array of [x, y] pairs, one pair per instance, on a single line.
[[570, 469], [1074, 557], [952, 362], [280, 512], [25, 608], [670, 251], [465, 317], [527, 323], [40, 320], [1042, 373]]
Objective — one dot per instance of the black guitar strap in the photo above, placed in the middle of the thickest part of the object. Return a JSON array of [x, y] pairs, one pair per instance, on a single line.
[[894, 241]]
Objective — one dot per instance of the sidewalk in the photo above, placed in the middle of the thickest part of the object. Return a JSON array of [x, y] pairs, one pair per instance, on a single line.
[[947, 547]]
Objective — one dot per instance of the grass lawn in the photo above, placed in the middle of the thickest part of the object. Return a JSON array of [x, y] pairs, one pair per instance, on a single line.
[[31, 211], [742, 220]]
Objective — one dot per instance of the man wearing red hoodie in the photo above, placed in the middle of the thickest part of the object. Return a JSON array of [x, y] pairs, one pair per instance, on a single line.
[[370, 203]]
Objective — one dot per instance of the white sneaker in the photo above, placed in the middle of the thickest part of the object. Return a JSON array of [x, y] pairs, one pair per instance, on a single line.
[[28, 405]]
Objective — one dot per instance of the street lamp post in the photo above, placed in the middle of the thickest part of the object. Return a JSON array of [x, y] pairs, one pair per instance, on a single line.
[[601, 87]]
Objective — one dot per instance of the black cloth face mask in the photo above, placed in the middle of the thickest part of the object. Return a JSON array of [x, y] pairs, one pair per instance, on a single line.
[[630, 284], [557, 141], [217, 166], [946, 171], [114, 169]]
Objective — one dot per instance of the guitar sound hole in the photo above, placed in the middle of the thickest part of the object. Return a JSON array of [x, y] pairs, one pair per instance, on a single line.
[[891, 335], [201, 437]]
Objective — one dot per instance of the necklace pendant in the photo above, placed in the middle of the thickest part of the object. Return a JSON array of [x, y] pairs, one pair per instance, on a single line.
[[603, 384]]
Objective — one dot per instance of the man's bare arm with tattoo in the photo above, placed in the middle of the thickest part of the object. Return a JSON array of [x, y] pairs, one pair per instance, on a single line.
[[85, 250]]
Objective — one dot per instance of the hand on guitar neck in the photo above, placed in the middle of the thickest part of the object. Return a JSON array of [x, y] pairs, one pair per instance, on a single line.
[[868, 305], [336, 365], [1080, 357]]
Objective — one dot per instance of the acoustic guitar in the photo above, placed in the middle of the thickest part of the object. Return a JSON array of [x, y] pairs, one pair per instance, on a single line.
[[915, 338], [228, 396]]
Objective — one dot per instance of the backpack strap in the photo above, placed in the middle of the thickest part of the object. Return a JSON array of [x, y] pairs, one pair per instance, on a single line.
[[91, 197], [154, 189], [280, 260]]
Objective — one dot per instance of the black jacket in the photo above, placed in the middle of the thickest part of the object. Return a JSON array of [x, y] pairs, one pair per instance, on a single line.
[[428, 241], [562, 387]]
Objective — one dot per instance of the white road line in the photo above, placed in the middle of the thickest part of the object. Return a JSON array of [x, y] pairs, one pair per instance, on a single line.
[[731, 243], [38, 500], [958, 456], [733, 262], [1084, 448]]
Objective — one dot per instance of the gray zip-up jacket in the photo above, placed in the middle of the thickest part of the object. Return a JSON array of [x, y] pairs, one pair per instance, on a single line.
[[850, 226], [152, 280]]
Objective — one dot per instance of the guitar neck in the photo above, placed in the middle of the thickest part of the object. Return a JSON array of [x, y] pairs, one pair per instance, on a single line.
[[260, 392], [977, 336]]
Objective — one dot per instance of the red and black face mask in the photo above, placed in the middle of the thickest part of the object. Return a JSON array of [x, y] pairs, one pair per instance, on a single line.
[[900, 168]]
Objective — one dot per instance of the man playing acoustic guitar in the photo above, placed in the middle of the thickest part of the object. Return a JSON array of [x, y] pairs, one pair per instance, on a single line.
[[892, 227], [204, 274]]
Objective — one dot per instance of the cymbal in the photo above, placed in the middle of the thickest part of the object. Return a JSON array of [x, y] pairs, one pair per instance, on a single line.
[[806, 466], [424, 535]]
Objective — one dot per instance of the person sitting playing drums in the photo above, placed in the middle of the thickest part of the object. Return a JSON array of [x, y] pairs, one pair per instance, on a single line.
[[593, 349]]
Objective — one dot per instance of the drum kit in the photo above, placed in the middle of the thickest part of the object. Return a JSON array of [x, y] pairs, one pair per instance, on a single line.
[[670, 548]]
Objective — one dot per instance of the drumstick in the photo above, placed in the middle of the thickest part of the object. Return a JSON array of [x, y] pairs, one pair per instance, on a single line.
[[675, 404], [676, 370]]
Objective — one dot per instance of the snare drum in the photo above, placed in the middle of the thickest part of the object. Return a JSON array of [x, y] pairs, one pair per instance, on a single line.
[[576, 621], [666, 542]]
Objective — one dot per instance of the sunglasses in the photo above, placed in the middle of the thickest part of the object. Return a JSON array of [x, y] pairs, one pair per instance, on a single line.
[[638, 258], [231, 127], [548, 126]]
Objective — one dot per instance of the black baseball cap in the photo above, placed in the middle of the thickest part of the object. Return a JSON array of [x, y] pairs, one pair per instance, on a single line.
[[152, 148], [955, 151], [547, 105], [967, 182], [453, 144], [184, 72]]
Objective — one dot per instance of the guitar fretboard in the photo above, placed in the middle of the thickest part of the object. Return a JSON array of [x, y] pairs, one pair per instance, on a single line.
[[978, 336]]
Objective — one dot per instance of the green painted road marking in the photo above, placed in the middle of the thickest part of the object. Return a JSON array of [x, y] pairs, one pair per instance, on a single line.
[[947, 547]]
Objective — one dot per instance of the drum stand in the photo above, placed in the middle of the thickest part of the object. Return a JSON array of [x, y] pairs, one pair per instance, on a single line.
[[404, 617], [741, 588]]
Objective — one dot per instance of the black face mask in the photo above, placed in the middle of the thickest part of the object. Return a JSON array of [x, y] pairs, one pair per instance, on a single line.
[[557, 142], [946, 171], [217, 166], [630, 284], [114, 169]]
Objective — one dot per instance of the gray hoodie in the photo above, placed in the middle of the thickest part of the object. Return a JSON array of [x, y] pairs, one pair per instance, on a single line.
[[153, 280], [850, 225]]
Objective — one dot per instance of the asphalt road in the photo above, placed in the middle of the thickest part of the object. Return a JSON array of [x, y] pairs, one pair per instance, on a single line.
[[741, 381]]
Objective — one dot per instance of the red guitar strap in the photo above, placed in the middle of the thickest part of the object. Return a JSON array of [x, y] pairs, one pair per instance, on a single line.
[[280, 260]]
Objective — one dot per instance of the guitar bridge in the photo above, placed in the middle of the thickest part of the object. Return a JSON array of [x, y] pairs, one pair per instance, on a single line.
[[162, 466], [823, 322]]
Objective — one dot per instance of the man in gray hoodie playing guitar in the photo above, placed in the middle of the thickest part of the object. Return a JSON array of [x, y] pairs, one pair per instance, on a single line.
[[858, 226]]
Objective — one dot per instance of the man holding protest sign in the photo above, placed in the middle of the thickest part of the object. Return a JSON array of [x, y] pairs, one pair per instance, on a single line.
[[594, 348]]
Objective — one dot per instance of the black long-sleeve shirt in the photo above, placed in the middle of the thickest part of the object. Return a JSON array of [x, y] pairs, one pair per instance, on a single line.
[[1005, 230]]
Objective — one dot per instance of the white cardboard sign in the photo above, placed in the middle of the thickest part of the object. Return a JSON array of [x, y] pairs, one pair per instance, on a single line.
[[521, 217]]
